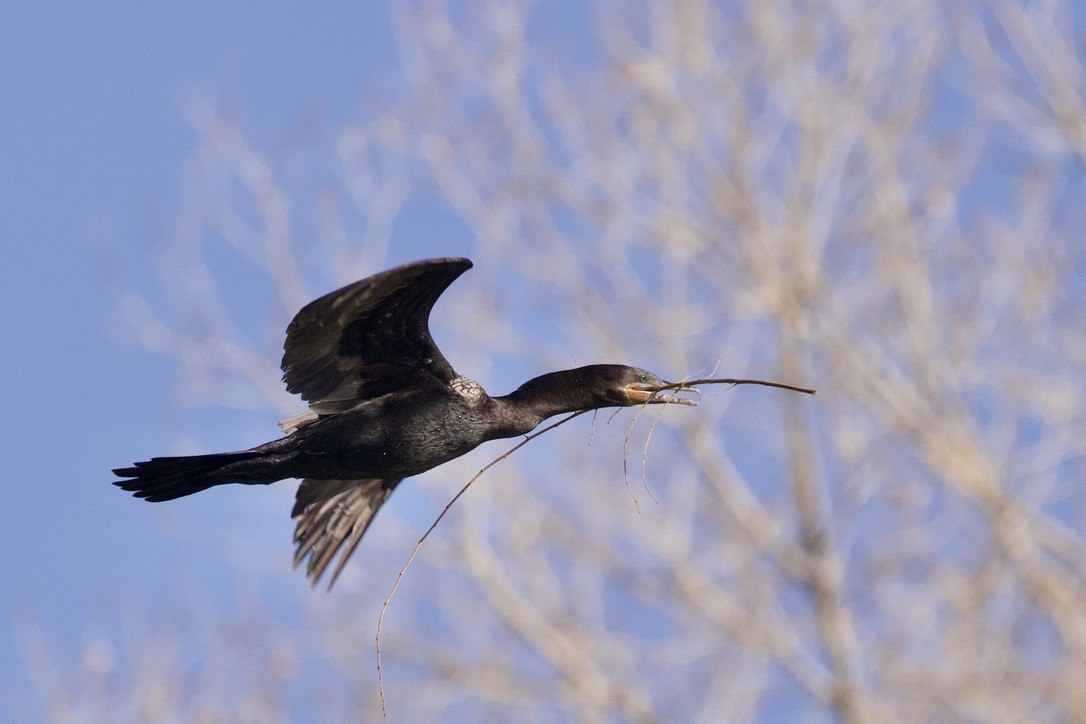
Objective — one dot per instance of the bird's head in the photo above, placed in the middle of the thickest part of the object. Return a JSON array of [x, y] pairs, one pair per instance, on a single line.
[[623, 386], [593, 387]]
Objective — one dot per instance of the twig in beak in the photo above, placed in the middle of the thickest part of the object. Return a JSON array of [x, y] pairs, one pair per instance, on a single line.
[[414, 552], [688, 384]]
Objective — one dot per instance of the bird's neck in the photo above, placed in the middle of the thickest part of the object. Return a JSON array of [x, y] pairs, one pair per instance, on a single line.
[[545, 396]]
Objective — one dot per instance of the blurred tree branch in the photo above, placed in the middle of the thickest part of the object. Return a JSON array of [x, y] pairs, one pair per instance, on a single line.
[[877, 198]]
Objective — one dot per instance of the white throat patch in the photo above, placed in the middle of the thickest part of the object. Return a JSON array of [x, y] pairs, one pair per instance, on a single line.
[[469, 389]]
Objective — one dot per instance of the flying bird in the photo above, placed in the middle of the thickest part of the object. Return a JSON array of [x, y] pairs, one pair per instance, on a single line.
[[384, 404]]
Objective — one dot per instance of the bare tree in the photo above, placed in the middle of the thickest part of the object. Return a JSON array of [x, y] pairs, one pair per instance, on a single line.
[[880, 199]]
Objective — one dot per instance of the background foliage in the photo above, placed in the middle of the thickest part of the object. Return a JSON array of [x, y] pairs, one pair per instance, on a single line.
[[879, 199]]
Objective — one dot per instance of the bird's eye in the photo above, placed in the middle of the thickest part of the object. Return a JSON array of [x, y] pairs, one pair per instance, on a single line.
[[643, 379]]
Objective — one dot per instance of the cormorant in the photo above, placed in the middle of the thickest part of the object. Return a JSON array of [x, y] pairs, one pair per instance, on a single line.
[[384, 404]]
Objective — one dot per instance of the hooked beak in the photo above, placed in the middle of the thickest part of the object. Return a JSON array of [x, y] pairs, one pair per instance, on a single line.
[[639, 394]]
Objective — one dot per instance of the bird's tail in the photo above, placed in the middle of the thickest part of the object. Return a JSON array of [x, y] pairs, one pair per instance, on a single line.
[[161, 479]]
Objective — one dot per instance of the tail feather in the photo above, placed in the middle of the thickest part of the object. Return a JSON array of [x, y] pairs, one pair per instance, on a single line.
[[160, 479]]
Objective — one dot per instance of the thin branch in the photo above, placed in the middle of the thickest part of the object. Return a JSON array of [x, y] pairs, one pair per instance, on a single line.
[[687, 384], [418, 545]]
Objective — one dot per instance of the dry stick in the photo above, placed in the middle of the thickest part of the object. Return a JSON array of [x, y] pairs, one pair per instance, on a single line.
[[729, 381], [717, 365], [626, 441], [414, 552], [645, 453], [625, 447], [665, 401]]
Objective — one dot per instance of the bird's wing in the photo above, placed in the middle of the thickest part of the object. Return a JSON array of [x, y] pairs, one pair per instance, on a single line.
[[369, 338], [330, 513]]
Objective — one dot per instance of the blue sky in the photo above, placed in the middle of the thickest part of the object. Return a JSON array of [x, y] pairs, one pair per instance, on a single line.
[[92, 141], [93, 144]]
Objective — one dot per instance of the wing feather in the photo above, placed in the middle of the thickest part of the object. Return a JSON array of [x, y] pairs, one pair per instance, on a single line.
[[330, 513], [369, 338]]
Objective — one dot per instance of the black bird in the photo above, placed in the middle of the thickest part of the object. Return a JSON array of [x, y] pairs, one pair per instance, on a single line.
[[384, 404]]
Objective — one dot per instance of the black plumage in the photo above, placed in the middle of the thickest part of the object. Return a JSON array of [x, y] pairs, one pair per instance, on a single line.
[[384, 404]]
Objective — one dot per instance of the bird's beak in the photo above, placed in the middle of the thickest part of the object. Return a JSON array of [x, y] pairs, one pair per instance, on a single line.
[[639, 394]]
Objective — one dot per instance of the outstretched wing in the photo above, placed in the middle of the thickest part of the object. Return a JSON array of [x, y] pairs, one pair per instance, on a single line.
[[330, 513], [369, 338]]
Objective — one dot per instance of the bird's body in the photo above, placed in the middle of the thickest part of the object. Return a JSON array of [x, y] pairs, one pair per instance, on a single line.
[[397, 435], [393, 436], [384, 405]]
